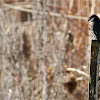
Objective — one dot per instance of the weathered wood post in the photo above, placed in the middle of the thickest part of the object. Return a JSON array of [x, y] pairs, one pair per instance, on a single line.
[[94, 71]]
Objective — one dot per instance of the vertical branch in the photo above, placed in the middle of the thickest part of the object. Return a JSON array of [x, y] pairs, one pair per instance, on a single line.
[[44, 37], [89, 38], [93, 81], [71, 3], [93, 7], [53, 18]]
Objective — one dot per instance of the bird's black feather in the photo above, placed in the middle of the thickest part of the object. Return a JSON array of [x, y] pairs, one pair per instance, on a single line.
[[96, 26]]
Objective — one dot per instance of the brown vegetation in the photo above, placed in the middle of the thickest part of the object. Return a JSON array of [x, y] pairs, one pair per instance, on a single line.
[[38, 41]]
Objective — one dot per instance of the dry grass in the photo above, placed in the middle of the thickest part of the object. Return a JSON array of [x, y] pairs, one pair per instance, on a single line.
[[38, 41]]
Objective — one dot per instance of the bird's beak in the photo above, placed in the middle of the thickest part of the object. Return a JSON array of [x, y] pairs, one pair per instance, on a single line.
[[88, 19]]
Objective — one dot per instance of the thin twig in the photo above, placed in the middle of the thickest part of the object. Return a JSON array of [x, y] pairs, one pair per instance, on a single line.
[[46, 13], [78, 71]]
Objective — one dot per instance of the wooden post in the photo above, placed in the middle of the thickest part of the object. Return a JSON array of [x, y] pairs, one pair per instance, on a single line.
[[93, 79]]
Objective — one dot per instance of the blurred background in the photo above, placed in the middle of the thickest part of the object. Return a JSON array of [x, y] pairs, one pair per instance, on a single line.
[[45, 49]]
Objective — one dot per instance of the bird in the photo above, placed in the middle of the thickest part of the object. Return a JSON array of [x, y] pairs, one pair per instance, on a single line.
[[95, 28]]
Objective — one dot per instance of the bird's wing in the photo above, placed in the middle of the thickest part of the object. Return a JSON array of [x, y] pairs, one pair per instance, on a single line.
[[96, 30], [92, 31]]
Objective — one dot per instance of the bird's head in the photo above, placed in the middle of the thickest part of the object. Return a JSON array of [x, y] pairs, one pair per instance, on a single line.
[[93, 18]]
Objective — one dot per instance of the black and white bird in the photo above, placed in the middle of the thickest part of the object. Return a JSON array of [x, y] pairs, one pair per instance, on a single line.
[[95, 28]]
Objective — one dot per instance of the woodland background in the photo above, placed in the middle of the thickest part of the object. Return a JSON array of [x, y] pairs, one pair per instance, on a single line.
[[45, 49]]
